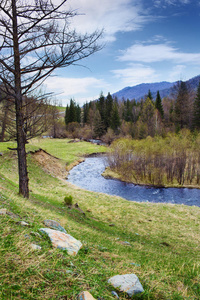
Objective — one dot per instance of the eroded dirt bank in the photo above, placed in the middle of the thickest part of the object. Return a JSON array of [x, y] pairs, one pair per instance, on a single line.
[[53, 165]]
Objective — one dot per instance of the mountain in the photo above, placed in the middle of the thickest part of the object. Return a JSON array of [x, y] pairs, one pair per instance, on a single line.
[[139, 91]]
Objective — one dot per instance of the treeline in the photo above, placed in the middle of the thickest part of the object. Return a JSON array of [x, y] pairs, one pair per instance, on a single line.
[[170, 161], [108, 118]]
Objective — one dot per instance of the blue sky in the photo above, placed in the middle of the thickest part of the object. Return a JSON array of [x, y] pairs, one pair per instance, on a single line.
[[145, 41]]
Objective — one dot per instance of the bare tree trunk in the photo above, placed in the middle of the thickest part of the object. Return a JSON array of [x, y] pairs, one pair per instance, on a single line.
[[21, 137], [4, 122]]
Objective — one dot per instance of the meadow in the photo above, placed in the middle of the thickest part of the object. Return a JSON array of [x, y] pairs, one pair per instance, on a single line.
[[163, 239]]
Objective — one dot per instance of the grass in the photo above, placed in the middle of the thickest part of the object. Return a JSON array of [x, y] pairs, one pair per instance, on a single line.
[[68, 152], [164, 238]]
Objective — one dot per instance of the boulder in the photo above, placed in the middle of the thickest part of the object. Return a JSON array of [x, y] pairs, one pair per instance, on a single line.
[[85, 296], [63, 241], [54, 225], [128, 283]]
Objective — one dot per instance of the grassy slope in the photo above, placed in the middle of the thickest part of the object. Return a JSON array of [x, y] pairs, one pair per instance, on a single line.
[[164, 238]]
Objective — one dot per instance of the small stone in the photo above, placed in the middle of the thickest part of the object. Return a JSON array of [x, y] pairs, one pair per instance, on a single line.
[[128, 283], [36, 234], [115, 294], [134, 264], [69, 271], [85, 296], [63, 241], [35, 247], [27, 236], [54, 225], [23, 223], [3, 211], [125, 243]]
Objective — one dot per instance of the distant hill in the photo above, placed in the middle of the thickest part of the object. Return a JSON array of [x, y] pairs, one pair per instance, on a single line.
[[139, 91]]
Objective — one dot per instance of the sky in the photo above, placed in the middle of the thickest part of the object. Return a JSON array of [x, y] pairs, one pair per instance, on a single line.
[[144, 41]]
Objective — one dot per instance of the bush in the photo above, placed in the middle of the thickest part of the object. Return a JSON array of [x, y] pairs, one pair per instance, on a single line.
[[68, 200]]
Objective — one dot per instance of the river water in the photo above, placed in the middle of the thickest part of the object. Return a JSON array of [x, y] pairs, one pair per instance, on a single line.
[[87, 175]]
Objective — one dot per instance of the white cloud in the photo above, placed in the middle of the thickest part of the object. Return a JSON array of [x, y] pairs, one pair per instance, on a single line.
[[112, 16], [135, 74], [164, 3], [157, 53], [177, 73], [77, 88]]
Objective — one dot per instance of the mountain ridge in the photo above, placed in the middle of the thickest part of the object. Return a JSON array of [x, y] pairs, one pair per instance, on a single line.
[[139, 91]]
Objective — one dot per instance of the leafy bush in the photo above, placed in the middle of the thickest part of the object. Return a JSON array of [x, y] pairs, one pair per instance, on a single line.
[[68, 200]]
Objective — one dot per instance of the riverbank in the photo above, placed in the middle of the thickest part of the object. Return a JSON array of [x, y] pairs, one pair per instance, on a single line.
[[110, 174], [157, 242]]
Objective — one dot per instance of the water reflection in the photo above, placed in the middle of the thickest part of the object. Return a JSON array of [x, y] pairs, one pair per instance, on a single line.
[[88, 176]]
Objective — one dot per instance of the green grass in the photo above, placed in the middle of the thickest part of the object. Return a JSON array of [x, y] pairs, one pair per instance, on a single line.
[[68, 152], [164, 239]]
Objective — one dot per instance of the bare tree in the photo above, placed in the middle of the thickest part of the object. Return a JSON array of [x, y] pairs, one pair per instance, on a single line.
[[35, 39]]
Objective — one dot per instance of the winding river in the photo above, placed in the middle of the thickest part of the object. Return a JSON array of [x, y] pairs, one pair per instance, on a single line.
[[87, 175]]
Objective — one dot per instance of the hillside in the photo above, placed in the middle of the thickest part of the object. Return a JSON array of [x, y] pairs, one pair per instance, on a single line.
[[157, 242], [139, 91]]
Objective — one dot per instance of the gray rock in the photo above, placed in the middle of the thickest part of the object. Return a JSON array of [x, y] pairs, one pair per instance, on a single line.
[[85, 296], [128, 283], [63, 240], [27, 236], [23, 223], [54, 225], [115, 294], [36, 234], [35, 247]]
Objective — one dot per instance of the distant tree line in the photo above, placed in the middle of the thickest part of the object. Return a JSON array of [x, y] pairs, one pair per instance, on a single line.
[[108, 117]]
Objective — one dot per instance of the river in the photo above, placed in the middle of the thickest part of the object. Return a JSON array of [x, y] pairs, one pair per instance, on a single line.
[[87, 175]]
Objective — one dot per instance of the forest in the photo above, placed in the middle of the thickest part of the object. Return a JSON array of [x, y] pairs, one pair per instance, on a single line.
[[153, 141], [108, 118]]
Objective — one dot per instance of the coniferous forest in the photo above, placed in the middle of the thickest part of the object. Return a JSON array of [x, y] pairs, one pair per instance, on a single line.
[[109, 118]]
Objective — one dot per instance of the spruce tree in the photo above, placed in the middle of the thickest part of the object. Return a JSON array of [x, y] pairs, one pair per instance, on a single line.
[[98, 125], [85, 112], [149, 95], [72, 113], [115, 119], [196, 113], [67, 114], [108, 110], [158, 105], [182, 105], [101, 107]]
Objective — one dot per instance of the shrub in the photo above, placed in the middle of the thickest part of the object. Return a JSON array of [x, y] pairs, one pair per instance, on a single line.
[[68, 200]]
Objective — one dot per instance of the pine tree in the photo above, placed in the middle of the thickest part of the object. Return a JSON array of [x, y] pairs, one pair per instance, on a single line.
[[67, 114], [149, 95], [72, 113], [78, 114], [158, 105], [182, 105], [98, 125], [101, 106], [196, 113], [115, 119], [108, 110], [85, 112]]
